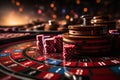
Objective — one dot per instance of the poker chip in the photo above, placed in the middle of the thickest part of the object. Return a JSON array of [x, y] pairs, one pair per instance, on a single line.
[[40, 38], [39, 43], [49, 45], [58, 44], [68, 51]]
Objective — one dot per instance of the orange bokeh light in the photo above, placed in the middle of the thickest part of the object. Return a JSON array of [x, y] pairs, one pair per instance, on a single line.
[[77, 1], [14, 18], [54, 16], [17, 3], [98, 1], [85, 9], [52, 5], [20, 9], [67, 17]]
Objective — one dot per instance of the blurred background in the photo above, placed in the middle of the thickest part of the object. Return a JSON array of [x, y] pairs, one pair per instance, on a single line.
[[19, 12]]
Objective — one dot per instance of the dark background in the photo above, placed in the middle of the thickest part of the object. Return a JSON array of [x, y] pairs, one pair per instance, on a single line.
[[42, 8]]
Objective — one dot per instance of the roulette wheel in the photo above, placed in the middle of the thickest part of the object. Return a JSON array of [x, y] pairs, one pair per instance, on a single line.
[[43, 58], [90, 38], [22, 60]]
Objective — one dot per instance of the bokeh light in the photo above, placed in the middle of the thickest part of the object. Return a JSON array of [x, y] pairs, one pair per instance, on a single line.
[[45, 9], [54, 16], [76, 16], [52, 5], [98, 1], [17, 3], [20, 9], [67, 17], [39, 11], [63, 10], [77, 1], [13, 1], [85, 9], [14, 18]]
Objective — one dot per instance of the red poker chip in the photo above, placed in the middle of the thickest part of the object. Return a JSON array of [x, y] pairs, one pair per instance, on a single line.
[[68, 51], [49, 45], [58, 43], [49, 41], [40, 37]]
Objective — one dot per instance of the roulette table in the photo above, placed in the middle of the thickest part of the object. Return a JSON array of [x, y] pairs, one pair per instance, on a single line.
[[59, 40], [20, 59]]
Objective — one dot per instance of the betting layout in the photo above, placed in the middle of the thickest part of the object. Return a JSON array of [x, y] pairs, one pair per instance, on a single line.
[[23, 60]]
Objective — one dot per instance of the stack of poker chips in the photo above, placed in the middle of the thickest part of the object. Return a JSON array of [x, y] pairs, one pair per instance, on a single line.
[[58, 44], [39, 43], [68, 51], [50, 45]]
